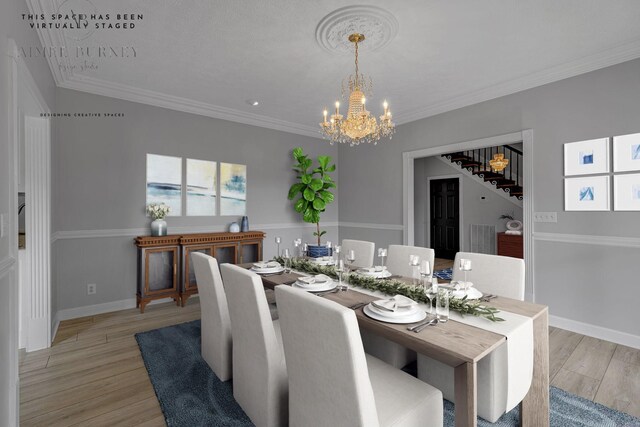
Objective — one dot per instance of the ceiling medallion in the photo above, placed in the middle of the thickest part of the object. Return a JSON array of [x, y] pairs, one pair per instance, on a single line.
[[358, 126], [333, 31]]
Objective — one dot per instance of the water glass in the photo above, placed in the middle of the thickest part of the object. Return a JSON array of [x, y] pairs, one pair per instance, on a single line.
[[340, 270], [286, 256], [425, 271], [414, 262], [305, 250], [430, 292], [442, 305]]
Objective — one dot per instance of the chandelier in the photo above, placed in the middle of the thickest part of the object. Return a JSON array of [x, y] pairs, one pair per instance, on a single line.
[[498, 163], [359, 125]]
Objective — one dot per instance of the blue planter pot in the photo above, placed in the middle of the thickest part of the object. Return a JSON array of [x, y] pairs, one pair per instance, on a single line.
[[315, 251]]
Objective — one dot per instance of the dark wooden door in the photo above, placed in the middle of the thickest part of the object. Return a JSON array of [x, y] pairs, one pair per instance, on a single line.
[[445, 217]]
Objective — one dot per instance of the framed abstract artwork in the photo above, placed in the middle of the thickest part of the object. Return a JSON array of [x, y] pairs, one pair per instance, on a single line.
[[626, 153], [587, 194], [626, 192], [586, 157], [201, 187], [233, 189], [164, 182]]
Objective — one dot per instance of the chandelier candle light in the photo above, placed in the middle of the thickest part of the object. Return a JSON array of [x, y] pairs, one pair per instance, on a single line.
[[359, 126]]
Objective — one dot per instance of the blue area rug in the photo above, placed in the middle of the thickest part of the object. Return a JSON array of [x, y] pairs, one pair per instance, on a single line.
[[443, 274], [191, 395]]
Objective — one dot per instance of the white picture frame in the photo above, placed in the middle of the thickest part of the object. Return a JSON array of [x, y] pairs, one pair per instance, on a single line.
[[626, 153], [589, 193], [626, 192], [586, 157]]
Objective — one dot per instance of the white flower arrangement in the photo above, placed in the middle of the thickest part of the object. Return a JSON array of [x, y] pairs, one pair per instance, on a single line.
[[158, 210]]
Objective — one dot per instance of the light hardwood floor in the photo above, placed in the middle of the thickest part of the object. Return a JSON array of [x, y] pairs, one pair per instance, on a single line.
[[93, 375]]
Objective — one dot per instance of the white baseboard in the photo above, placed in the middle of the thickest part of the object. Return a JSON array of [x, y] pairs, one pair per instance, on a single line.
[[595, 331], [108, 307]]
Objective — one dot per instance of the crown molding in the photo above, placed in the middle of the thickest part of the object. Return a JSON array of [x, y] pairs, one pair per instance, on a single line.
[[158, 99], [617, 55]]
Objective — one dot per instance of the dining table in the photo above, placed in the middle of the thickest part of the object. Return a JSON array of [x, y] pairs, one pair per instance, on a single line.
[[458, 345]]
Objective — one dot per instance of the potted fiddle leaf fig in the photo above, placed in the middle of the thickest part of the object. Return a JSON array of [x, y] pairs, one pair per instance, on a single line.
[[312, 193]]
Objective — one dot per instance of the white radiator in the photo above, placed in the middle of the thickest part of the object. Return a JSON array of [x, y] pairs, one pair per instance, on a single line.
[[483, 239]]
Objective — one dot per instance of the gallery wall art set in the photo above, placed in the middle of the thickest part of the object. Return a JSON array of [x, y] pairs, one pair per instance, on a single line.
[[587, 170], [209, 188]]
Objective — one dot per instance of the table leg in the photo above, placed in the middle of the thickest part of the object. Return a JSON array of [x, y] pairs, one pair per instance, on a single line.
[[465, 390], [534, 409]]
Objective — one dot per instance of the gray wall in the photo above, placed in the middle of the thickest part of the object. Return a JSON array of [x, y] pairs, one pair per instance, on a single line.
[[12, 27], [474, 210], [597, 104], [100, 181]]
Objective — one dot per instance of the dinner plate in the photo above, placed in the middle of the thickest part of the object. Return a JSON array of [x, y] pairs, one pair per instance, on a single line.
[[472, 293], [271, 270], [328, 286], [416, 317], [395, 314], [375, 274]]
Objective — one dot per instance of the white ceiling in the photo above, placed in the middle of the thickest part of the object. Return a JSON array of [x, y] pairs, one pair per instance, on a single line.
[[209, 57]]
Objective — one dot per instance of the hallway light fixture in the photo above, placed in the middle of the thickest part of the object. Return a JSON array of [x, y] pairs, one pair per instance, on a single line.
[[498, 163]]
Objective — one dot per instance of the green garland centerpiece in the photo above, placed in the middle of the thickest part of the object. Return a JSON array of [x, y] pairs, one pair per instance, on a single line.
[[397, 287]]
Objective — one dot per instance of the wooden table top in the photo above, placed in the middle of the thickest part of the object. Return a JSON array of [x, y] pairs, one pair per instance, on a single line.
[[452, 342]]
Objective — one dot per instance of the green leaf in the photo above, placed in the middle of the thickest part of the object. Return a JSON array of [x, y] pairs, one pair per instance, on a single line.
[[327, 196], [329, 185], [306, 163], [315, 184], [318, 204], [295, 189], [309, 194], [311, 215], [297, 152], [306, 179], [324, 161], [327, 178], [301, 205], [331, 168]]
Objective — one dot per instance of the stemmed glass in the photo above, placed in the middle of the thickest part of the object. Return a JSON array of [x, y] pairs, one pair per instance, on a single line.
[[305, 250], [382, 254], [414, 262], [297, 245], [286, 255], [278, 241], [351, 258], [329, 245], [336, 253], [431, 292], [465, 265]]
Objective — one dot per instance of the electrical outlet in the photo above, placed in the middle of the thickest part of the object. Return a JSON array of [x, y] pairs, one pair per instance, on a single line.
[[91, 288], [545, 217]]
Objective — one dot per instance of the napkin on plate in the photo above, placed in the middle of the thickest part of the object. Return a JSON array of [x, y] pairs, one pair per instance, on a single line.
[[395, 304], [311, 280], [269, 264]]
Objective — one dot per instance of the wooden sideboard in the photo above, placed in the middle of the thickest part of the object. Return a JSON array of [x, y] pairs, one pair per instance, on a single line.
[[510, 245], [164, 263]]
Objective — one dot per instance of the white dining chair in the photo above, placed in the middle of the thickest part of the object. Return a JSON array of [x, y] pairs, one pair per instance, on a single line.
[[492, 274], [214, 315], [259, 368], [398, 259], [332, 382], [375, 345], [364, 251]]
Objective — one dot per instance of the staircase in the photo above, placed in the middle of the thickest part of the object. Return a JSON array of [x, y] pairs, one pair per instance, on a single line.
[[477, 163]]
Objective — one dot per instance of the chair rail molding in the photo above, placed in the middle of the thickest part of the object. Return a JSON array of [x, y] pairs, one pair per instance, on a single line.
[[586, 239], [408, 191]]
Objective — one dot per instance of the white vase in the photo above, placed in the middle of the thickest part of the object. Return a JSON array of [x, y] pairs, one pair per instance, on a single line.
[[158, 227]]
